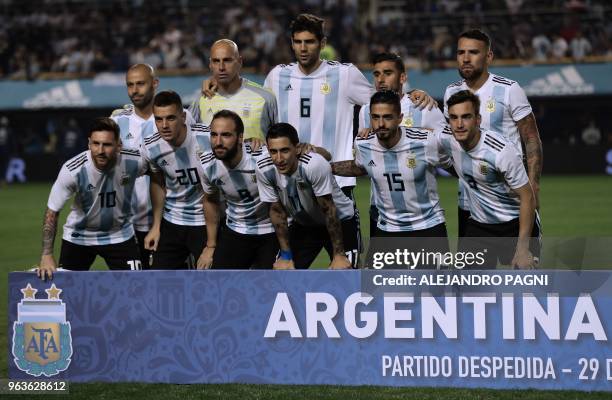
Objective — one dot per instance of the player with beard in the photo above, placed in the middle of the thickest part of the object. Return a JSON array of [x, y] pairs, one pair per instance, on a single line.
[[401, 163], [389, 73], [247, 239], [504, 109], [102, 181]]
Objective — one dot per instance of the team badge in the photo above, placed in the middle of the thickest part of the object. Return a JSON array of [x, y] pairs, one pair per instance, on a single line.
[[408, 121], [491, 105], [411, 161], [42, 343], [253, 178], [246, 110], [483, 167], [125, 179], [325, 88]]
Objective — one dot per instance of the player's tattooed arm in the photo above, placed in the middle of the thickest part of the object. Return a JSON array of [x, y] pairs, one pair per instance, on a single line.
[[278, 217], [530, 135], [334, 228], [347, 168], [49, 230], [47, 263]]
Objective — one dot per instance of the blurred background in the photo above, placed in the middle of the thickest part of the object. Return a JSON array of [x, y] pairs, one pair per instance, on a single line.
[[63, 62]]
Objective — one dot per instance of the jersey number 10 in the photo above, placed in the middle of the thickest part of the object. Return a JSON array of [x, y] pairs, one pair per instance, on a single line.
[[108, 199]]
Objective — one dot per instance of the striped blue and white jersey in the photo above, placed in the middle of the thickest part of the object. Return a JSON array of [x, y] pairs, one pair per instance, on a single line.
[[403, 179], [320, 105], [245, 212], [133, 131], [502, 104], [298, 193], [489, 172], [413, 117], [180, 166], [101, 212]]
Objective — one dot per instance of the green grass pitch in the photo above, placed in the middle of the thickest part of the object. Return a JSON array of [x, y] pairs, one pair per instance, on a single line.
[[571, 206]]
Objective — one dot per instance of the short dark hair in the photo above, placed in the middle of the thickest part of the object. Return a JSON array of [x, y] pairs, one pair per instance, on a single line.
[[476, 34], [386, 97], [397, 60], [283, 129], [230, 115], [105, 124], [463, 96], [167, 98], [309, 23]]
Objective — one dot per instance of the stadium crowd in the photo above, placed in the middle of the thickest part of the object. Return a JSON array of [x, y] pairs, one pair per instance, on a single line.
[[84, 37]]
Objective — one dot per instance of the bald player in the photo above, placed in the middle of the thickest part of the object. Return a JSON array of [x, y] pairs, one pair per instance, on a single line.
[[136, 123], [255, 105]]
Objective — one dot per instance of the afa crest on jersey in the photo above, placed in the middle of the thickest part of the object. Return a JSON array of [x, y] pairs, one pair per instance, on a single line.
[[325, 88], [411, 161], [42, 343], [408, 121], [125, 179], [483, 168], [490, 105], [254, 178]]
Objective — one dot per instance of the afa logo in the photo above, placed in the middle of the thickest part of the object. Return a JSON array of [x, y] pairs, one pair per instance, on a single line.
[[42, 343]]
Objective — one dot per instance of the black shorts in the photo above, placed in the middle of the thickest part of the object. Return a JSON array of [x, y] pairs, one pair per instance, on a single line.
[[118, 256], [177, 243], [497, 242], [307, 241], [430, 240], [462, 219], [144, 253], [373, 220], [348, 192], [241, 251]]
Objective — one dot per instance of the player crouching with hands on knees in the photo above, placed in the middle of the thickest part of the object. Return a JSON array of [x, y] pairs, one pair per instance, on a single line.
[[302, 186], [102, 181]]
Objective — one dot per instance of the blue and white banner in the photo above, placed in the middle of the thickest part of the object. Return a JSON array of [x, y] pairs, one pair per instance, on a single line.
[[495, 329], [108, 89]]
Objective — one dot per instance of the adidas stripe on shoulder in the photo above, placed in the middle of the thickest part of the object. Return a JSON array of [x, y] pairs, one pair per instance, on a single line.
[[152, 139], [494, 143], [207, 157], [305, 158], [502, 80], [420, 134], [197, 127], [131, 152], [76, 162], [371, 135], [264, 162], [447, 130]]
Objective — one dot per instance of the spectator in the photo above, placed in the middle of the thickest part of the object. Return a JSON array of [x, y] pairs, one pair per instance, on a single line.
[[580, 47], [559, 48], [541, 47], [591, 135]]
